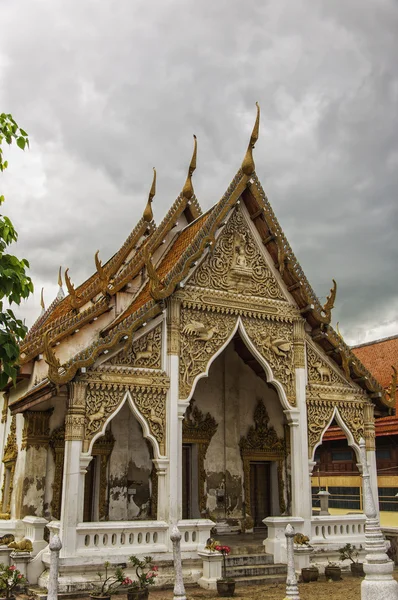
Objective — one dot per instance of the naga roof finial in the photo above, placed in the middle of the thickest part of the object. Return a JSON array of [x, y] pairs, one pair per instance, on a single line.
[[60, 277], [248, 166], [148, 214], [187, 190], [74, 298]]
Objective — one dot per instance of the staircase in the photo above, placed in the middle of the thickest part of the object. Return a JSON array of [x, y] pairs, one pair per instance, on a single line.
[[249, 565]]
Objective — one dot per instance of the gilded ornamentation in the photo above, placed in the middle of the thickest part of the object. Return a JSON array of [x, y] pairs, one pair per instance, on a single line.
[[36, 429], [230, 303], [320, 371], [320, 412], [392, 389], [202, 335], [145, 352], [4, 412], [187, 190], [325, 314], [198, 428], [103, 398], [299, 343], [248, 165], [369, 426], [262, 444], [274, 341], [103, 448], [74, 420], [236, 264], [173, 326], [9, 459], [57, 445]]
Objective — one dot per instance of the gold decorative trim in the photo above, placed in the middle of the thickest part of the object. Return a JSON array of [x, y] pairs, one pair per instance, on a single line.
[[36, 429], [369, 426], [319, 414], [261, 443], [299, 344], [146, 352], [4, 412], [10, 455], [57, 445], [173, 326], [199, 429]]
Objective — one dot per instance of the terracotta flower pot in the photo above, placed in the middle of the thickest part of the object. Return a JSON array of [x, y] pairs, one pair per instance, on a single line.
[[226, 588], [357, 569], [309, 574], [333, 573], [138, 594]]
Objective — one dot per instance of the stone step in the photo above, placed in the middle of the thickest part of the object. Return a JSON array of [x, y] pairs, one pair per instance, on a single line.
[[260, 580], [247, 549], [257, 570], [249, 559]]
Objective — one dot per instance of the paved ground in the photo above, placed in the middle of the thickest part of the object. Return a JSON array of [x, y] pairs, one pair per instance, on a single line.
[[348, 589]]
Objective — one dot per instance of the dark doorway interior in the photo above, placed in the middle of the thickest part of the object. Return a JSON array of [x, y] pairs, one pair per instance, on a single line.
[[260, 492]]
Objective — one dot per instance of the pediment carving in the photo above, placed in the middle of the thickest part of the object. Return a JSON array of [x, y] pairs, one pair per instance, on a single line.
[[236, 264], [146, 352]]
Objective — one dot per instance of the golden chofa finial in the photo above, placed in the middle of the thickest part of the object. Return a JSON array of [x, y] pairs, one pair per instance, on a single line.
[[148, 214], [60, 277], [248, 166], [43, 306], [74, 298], [187, 190]]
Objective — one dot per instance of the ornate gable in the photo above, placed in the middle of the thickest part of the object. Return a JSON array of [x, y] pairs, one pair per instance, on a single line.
[[324, 375], [236, 265], [146, 352]]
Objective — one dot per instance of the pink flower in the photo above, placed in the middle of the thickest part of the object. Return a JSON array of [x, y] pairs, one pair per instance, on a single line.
[[20, 576], [155, 568], [12, 568], [127, 581]]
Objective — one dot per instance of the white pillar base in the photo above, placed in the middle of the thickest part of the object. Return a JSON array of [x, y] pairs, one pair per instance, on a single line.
[[212, 567]]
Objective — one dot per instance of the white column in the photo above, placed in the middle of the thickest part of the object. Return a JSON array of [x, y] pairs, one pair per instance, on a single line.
[[161, 465], [74, 469], [370, 441], [174, 448], [297, 419], [371, 458]]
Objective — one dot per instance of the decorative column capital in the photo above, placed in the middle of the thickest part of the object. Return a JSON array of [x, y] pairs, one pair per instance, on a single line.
[[299, 343], [36, 429], [369, 426], [173, 326], [75, 418]]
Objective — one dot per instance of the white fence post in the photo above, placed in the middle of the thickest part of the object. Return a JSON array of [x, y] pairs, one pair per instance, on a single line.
[[179, 590], [292, 591], [55, 546]]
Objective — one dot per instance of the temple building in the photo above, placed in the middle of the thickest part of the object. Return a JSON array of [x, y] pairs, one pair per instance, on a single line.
[[336, 470], [189, 380]]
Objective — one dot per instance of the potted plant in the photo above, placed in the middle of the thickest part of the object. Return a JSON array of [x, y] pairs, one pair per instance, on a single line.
[[349, 552], [109, 582], [146, 574], [225, 585], [333, 571], [10, 578]]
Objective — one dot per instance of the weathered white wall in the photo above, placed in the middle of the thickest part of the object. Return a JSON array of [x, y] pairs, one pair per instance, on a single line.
[[130, 467], [235, 407]]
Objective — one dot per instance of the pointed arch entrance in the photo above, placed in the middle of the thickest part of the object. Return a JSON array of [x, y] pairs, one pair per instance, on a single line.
[[240, 462]]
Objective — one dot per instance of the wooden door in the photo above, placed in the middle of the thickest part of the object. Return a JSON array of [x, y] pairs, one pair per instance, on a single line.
[[260, 492], [89, 492]]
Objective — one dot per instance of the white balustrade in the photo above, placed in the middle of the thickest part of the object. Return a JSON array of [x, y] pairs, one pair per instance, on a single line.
[[194, 533], [122, 537], [338, 529]]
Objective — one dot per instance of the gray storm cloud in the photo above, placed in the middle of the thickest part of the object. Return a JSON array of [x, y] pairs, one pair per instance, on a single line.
[[108, 90]]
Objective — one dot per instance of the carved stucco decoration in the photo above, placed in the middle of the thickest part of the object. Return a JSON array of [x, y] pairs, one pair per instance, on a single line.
[[106, 390], [274, 342], [321, 372], [320, 412], [36, 429], [202, 335], [262, 444], [57, 445], [4, 412], [199, 429], [10, 455], [236, 264], [145, 352]]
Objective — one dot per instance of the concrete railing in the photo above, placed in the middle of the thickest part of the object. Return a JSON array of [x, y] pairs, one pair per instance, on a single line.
[[194, 533], [338, 529], [122, 537]]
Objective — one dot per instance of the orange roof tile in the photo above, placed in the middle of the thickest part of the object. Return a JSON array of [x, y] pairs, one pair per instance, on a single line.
[[378, 357]]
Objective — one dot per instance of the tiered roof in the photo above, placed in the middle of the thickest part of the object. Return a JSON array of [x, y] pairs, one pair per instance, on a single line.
[[162, 275]]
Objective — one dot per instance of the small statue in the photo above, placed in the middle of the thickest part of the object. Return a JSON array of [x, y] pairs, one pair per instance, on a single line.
[[6, 539], [24, 545]]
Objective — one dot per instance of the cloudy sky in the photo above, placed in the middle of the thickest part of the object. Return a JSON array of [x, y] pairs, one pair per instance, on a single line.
[[109, 89]]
